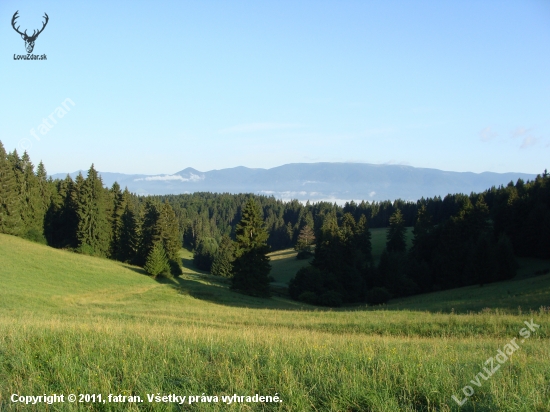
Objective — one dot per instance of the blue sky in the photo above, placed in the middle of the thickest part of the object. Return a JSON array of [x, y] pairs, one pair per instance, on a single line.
[[161, 86]]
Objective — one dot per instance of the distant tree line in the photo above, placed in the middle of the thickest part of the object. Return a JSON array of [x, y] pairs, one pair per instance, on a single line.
[[460, 241], [453, 237]]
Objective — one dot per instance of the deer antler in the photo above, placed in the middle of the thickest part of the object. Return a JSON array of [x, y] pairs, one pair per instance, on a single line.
[[43, 26], [15, 16], [34, 33]]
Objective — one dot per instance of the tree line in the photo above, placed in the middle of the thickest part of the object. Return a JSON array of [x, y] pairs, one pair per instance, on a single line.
[[475, 244], [454, 236]]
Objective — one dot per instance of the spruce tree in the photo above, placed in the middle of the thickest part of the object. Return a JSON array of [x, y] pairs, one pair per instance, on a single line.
[[32, 210], [156, 262], [205, 253], [329, 247], [306, 238], [169, 229], [150, 231], [223, 262], [10, 218], [363, 239], [93, 232], [251, 266], [395, 241], [128, 233], [118, 208]]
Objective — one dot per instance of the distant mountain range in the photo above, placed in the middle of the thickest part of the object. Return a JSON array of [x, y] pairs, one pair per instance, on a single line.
[[335, 182]]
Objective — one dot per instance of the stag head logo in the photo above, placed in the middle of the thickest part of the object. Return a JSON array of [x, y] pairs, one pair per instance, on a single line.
[[29, 40]]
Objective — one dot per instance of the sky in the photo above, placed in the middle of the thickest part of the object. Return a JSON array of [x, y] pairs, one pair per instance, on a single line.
[[157, 86]]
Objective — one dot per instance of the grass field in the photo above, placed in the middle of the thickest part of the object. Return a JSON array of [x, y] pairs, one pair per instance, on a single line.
[[77, 324]]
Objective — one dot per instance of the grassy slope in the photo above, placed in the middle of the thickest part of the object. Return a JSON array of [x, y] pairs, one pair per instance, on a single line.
[[71, 323]]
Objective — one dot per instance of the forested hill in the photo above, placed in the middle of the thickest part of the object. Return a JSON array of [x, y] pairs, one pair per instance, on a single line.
[[458, 240], [316, 181]]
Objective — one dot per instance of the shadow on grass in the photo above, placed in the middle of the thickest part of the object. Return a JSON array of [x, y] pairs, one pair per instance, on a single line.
[[214, 289], [507, 296], [135, 269]]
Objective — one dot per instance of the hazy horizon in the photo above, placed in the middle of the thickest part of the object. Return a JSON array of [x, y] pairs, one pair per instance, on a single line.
[[273, 167]]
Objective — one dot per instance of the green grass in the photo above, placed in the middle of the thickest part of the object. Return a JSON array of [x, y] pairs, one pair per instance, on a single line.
[[284, 265], [77, 324]]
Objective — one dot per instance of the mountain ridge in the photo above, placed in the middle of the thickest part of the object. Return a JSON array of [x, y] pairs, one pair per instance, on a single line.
[[325, 181]]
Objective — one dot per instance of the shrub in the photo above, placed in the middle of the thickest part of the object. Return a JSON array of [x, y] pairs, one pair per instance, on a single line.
[[377, 296], [175, 268], [86, 249], [330, 298], [34, 235], [308, 297]]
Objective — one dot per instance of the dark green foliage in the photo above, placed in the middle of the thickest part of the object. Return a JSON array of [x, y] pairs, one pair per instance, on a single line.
[[481, 265], [378, 296], [159, 225], [93, 231], [330, 298], [458, 240], [363, 240], [127, 236], [205, 253], [157, 261], [303, 255], [10, 206], [504, 256], [86, 249], [30, 194], [118, 207], [305, 239], [151, 231], [392, 274], [251, 266], [175, 268], [169, 231], [223, 261], [396, 233], [35, 235], [345, 253], [61, 220], [310, 283]]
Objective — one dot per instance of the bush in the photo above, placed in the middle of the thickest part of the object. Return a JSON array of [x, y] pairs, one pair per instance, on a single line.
[[377, 296], [86, 249], [308, 297], [175, 268], [330, 298], [34, 235], [315, 286]]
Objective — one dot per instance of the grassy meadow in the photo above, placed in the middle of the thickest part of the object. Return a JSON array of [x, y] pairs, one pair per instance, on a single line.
[[77, 324]]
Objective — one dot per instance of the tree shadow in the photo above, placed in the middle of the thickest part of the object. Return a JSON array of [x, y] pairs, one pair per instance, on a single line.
[[216, 290], [135, 269]]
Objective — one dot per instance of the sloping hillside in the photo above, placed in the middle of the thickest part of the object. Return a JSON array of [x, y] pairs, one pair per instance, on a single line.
[[76, 324]]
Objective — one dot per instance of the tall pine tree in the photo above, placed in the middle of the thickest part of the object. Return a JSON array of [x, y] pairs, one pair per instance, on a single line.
[[251, 266], [93, 231], [10, 218]]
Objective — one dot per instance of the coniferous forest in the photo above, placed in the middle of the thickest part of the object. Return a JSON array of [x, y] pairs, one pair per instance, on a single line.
[[457, 241]]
